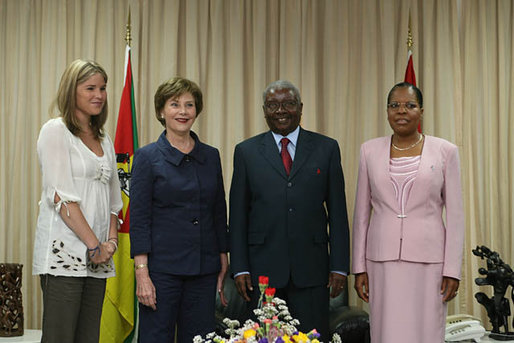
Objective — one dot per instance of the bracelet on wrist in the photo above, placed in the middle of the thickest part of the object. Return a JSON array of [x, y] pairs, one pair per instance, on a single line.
[[113, 242], [141, 266], [92, 251]]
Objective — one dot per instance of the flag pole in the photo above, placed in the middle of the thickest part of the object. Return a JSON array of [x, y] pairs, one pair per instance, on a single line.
[[410, 41], [128, 36], [119, 312], [410, 75]]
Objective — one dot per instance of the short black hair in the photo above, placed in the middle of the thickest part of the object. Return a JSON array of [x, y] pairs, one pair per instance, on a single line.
[[417, 91]]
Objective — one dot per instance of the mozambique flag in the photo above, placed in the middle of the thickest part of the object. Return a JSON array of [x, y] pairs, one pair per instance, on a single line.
[[119, 311]]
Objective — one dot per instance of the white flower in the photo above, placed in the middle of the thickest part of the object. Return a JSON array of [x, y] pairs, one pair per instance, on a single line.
[[282, 323], [336, 338], [278, 301]]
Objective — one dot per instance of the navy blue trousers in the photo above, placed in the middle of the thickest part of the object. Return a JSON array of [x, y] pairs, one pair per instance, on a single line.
[[184, 303]]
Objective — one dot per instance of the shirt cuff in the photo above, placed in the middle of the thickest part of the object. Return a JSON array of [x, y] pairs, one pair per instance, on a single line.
[[241, 273]]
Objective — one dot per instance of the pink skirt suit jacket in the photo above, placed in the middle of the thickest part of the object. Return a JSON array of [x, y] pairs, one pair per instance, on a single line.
[[384, 232]]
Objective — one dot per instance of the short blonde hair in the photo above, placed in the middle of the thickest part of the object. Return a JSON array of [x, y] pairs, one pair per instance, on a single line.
[[77, 72], [173, 88]]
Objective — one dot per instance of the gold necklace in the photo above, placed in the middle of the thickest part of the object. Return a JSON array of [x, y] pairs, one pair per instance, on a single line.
[[410, 146]]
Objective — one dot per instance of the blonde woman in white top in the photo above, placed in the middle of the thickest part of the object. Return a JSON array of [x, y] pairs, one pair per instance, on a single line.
[[77, 225]]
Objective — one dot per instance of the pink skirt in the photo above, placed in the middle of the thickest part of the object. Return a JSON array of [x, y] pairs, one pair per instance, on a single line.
[[406, 305]]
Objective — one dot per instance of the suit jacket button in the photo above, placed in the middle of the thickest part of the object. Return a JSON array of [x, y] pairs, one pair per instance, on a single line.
[[289, 184], [290, 210], [195, 222]]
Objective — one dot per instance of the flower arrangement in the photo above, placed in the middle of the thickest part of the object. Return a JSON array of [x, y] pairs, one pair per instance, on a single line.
[[275, 324]]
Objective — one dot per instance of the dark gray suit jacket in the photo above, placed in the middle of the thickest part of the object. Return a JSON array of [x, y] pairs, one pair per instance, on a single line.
[[278, 224]]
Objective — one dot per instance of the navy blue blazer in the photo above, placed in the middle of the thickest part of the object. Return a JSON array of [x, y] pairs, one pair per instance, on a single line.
[[178, 213]]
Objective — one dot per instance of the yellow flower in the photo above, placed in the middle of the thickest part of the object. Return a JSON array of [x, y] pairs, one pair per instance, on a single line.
[[249, 333], [314, 341], [301, 337], [286, 339]]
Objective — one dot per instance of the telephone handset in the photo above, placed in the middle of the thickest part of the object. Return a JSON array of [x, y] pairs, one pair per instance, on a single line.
[[460, 327]]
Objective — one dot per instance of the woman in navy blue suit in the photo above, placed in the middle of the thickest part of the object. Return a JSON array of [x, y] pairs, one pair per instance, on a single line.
[[178, 224]]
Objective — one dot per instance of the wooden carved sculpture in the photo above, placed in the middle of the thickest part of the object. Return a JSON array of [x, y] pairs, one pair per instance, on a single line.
[[499, 275], [11, 306]]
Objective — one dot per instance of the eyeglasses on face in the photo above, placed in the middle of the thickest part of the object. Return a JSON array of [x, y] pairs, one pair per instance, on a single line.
[[273, 106], [409, 105]]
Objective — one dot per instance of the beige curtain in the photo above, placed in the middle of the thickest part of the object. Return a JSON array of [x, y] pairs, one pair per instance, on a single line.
[[344, 55], [486, 96]]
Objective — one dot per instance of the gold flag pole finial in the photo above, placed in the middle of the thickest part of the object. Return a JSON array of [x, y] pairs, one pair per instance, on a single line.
[[128, 36], [410, 42]]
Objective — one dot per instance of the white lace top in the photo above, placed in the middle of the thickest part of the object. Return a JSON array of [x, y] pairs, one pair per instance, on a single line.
[[70, 169]]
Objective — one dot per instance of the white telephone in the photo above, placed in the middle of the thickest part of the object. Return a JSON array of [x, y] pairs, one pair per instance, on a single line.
[[461, 327]]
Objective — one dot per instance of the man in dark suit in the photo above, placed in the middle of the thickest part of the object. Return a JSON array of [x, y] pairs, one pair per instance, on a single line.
[[283, 195]]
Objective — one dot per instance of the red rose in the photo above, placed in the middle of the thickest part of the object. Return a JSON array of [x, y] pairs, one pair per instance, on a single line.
[[263, 280]]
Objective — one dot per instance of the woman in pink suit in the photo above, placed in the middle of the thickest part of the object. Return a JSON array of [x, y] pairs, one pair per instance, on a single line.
[[406, 257]]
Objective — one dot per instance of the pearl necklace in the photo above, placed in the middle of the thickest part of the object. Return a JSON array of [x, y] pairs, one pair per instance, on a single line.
[[410, 146]]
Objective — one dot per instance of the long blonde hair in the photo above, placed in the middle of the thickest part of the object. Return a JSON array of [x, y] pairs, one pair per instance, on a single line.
[[76, 73]]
